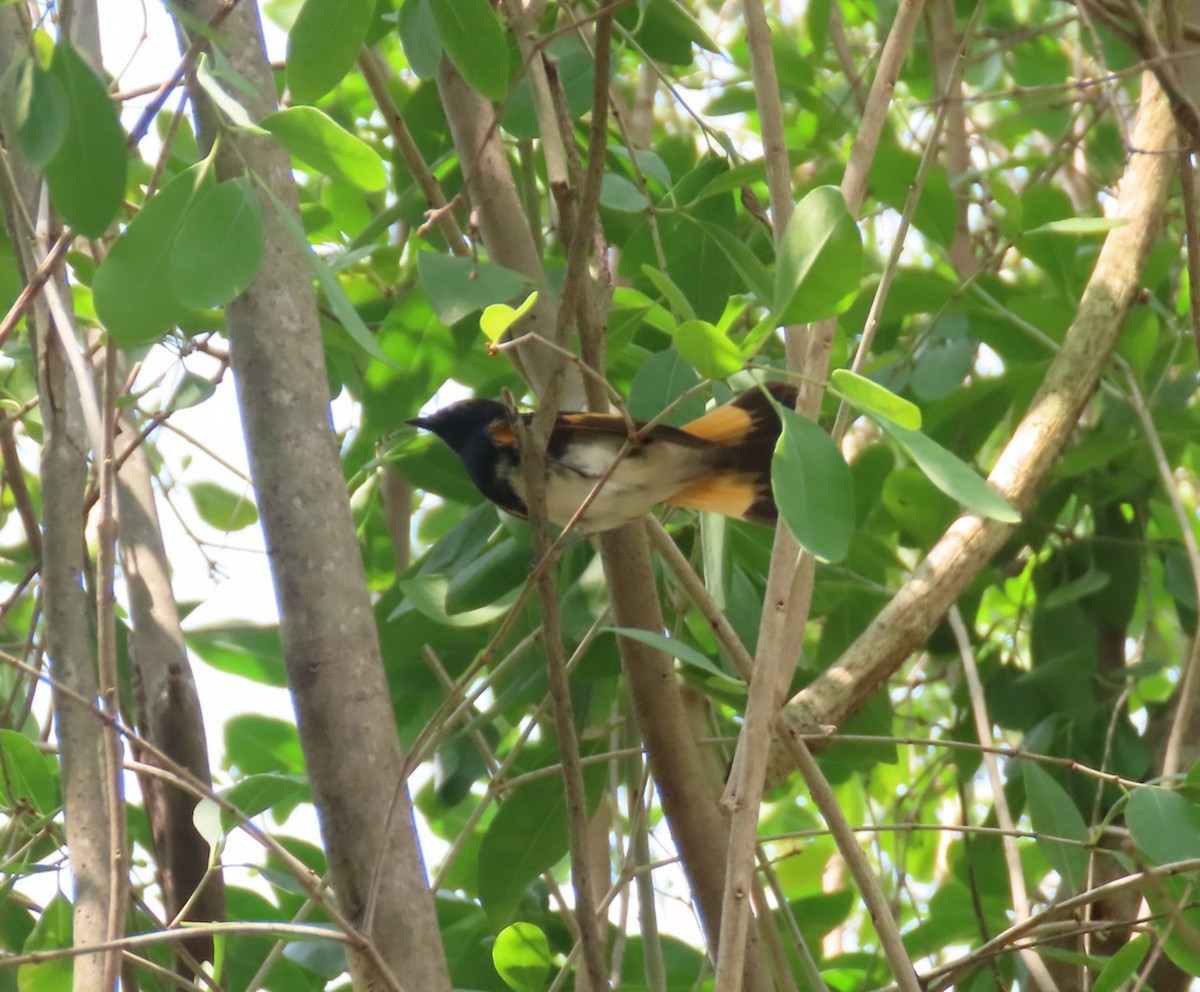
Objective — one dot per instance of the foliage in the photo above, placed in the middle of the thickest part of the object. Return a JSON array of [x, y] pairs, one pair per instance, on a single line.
[[1082, 627]]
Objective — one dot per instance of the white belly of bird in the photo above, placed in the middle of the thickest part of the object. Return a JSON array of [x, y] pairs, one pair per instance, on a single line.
[[642, 480]]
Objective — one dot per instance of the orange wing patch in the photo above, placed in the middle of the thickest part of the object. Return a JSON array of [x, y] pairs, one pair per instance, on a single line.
[[727, 493], [503, 433], [727, 425]]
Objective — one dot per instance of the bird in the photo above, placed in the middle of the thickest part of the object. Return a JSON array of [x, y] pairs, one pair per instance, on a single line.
[[719, 462]]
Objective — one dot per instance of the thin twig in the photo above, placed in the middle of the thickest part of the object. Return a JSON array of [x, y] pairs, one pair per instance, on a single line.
[[872, 893], [106, 665], [1185, 694], [871, 325], [533, 456], [375, 73], [183, 779], [1012, 856]]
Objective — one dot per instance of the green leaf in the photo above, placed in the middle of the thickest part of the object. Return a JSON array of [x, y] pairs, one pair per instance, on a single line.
[[813, 488], [52, 932], [1080, 226], [526, 837], [576, 80], [219, 247], [1122, 965], [192, 390], [1140, 335], [665, 30], [952, 475], [522, 958], [207, 69], [708, 349], [474, 41], [323, 45], [326, 958], [659, 381], [422, 356], [249, 651], [675, 244], [684, 21], [1091, 581], [1165, 825], [618, 193], [206, 818], [497, 318], [745, 263], [40, 112], [28, 778], [870, 397], [87, 173], [220, 508], [257, 793], [668, 645], [684, 652], [1055, 815], [820, 259], [457, 287], [320, 142], [427, 593], [419, 38], [493, 574], [257, 745], [893, 173], [131, 287], [944, 362], [671, 293], [917, 504]]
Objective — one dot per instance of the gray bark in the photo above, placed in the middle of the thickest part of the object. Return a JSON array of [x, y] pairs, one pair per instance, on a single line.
[[330, 642]]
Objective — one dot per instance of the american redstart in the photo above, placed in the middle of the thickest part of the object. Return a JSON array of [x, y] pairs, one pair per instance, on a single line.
[[721, 462]]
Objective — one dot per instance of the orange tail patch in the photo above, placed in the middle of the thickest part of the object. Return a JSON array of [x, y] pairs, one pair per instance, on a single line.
[[747, 428], [750, 417], [729, 493]]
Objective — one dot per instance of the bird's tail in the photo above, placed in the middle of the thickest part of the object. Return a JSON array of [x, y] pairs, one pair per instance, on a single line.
[[746, 430]]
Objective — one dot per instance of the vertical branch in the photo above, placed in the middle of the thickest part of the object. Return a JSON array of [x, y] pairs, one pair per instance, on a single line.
[[397, 494], [1012, 857], [86, 790], [788, 594], [866, 141], [533, 463], [106, 655], [502, 221], [945, 48], [578, 296], [168, 705], [789, 580], [1182, 732], [65, 447], [576, 304], [681, 770], [330, 640]]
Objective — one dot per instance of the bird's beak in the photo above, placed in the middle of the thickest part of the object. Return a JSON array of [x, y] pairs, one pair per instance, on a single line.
[[416, 422]]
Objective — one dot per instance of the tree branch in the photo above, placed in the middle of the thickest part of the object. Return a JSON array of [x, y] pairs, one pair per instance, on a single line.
[[1027, 459], [330, 642]]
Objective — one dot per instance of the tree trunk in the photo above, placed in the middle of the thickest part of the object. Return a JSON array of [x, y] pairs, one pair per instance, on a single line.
[[330, 642]]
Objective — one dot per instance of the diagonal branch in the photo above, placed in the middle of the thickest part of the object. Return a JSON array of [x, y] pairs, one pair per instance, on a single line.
[[1026, 461], [790, 580]]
